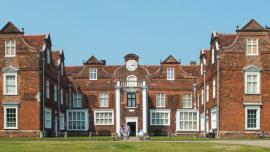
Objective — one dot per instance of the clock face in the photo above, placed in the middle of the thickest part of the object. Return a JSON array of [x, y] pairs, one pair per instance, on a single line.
[[131, 65]]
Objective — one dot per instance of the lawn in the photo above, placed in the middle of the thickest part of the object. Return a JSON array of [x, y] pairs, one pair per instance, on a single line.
[[82, 144]]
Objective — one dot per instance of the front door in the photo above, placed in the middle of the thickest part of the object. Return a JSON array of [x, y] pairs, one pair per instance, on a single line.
[[132, 126]]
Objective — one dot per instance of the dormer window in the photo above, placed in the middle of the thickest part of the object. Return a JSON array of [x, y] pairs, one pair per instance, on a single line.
[[170, 73], [93, 74], [10, 48], [252, 46]]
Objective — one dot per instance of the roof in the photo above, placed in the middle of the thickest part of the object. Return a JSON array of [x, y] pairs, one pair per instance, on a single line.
[[93, 60], [36, 41], [252, 26], [10, 28], [70, 70], [170, 60], [225, 39], [56, 55]]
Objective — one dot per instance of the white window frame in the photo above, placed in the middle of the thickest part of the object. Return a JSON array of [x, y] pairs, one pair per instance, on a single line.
[[258, 82], [160, 111], [5, 116], [179, 111], [214, 88], [103, 111], [93, 74], [16, 82], [77, 103], [258, 117], [85, 111], [170, 74], [160, 100], [214, 115], [10, 46], [102, 97], [48, 119], [47, 89], [252, 44], [185, 98], [62, 121], [201, 68]]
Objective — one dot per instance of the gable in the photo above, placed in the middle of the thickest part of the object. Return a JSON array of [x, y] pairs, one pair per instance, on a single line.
[[93, 60], [170, 60], [252, 26], [10, 28]]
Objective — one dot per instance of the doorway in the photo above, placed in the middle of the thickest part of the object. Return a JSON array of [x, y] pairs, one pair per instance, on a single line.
[[132, 126]]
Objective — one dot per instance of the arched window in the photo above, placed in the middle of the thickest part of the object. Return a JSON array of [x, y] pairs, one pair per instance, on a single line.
[[132, 81]]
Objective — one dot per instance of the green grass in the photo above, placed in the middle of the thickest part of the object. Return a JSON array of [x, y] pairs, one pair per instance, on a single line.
[[99, 146]]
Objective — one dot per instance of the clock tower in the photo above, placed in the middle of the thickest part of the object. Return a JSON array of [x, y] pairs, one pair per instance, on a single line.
[[131, 61]]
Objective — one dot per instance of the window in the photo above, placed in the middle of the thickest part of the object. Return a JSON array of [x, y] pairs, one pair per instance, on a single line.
[[252, 117], [77, 120], [170, 73], [252, 84], [160, 100], [10, 48], [103, 99], [131, 99], [93, 74], [132, 81], [48, 118], [160, 117], [48, 56], [202, 122], [187, 101], [214, 88], [213, 55], [77, 100], [10, 84], [187, 120], [10, 116], [62, 121], [47, 89], [252, 46], [104, 117], [207, 93], [214, 118], [55, 93], [62, 96]]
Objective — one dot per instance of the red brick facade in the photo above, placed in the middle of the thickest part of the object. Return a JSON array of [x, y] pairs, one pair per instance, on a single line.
[[114, 95]]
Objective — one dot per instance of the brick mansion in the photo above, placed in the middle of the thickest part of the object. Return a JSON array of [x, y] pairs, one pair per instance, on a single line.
[[227, 91]]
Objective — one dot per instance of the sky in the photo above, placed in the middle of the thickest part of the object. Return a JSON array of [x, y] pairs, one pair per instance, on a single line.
[[152, 29]]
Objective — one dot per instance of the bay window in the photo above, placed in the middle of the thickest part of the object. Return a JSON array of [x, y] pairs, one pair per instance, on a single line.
[[187, 120], [77, 120]]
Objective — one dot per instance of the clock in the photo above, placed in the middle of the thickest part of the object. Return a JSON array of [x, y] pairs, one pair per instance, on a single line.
[[131, 65]]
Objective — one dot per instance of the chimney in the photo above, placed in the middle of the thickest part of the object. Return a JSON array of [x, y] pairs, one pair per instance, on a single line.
[[103, 62], [193, 63]]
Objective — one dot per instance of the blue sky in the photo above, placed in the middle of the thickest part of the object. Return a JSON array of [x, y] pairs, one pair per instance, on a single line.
[[153, 29]]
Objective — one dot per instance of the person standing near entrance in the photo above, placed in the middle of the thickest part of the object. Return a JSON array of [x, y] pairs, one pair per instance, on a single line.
[[121, 131], [127, 131]]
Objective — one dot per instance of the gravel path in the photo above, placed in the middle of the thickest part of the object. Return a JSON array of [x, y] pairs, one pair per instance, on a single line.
[[261, 143]]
